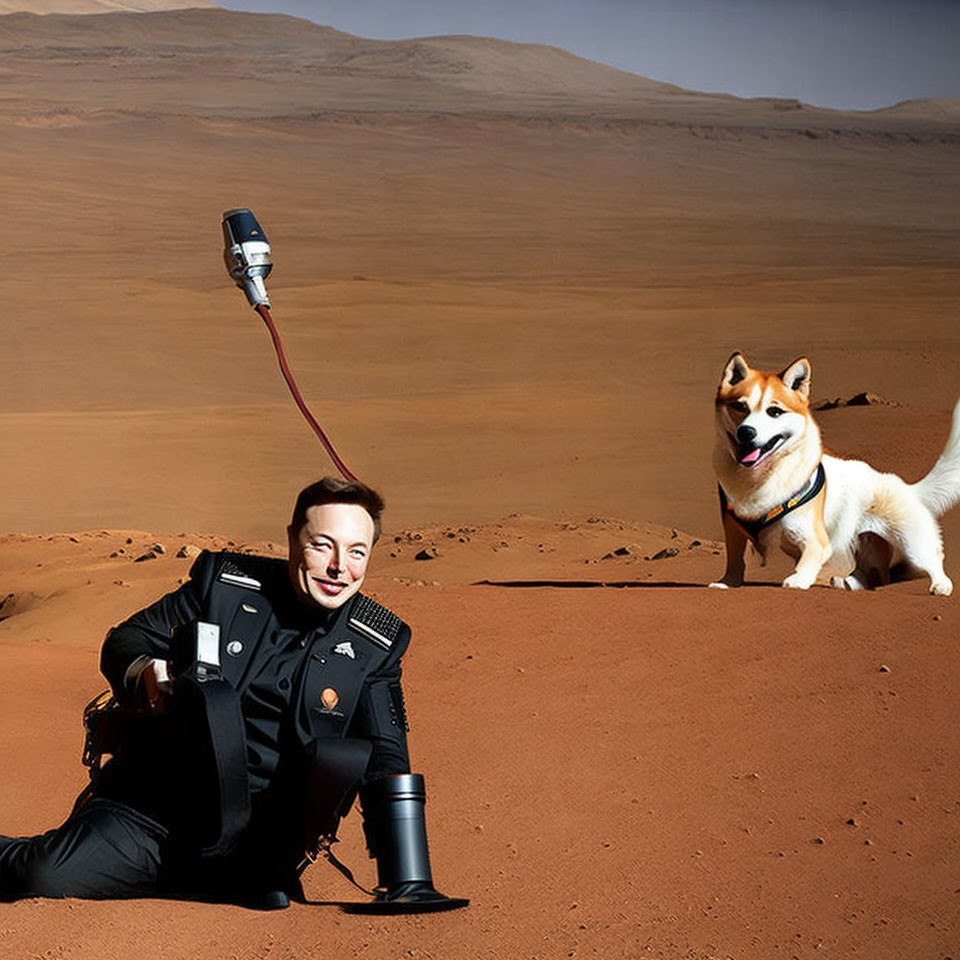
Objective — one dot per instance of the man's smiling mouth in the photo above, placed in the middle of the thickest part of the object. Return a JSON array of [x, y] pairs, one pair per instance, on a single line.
[[749, 455], [332, 587]]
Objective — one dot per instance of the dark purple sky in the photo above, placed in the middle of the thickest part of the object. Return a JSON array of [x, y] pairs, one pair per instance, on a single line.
[[856, 54]]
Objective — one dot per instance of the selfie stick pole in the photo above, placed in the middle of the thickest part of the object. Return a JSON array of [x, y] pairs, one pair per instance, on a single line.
[[246, 253], [264, 311]]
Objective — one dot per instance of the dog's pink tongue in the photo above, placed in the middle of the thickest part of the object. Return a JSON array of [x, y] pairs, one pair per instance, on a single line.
[[752, 457]]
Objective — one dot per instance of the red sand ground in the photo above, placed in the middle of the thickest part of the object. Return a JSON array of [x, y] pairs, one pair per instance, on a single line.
[[508, 281]]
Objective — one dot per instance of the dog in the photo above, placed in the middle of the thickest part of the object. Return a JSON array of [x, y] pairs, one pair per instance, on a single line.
[[833, 516]]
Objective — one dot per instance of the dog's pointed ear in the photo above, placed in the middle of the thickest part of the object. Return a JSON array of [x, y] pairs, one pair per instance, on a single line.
[[736, 370], [797, 376]]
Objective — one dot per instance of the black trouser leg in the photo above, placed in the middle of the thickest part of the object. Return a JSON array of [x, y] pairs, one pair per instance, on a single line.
[[103, 850]]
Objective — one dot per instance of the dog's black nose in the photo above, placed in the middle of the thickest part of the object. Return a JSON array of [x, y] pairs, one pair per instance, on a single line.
[[745, 434]]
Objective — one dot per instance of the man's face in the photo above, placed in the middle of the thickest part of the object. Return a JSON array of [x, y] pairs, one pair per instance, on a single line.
[[329, 554]]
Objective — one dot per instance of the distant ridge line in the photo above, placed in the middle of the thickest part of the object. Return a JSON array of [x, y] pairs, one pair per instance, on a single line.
[[236, 55], [84, 7]]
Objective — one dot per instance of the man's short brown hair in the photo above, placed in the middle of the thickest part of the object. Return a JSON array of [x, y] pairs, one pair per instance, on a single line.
[[335, 490]]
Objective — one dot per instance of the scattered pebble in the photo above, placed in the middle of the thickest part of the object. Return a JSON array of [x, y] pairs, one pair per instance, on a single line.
[[664, 553], [883, 668], [428, 553]]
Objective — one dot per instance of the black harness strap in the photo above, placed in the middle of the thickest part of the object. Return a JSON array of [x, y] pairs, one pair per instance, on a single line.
[[210, 708], [804, 495]]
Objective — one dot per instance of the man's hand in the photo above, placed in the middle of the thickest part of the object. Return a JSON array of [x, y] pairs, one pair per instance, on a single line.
[[154, 685]]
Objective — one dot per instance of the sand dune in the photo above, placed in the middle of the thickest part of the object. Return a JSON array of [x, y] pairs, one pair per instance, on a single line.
[[507, 280], [220, 63], [319, 68]]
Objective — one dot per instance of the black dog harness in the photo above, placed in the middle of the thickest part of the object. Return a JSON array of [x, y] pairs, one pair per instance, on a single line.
[[804, 495]]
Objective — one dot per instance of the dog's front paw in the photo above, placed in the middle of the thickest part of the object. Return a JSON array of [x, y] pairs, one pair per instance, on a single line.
[[797, 582], [942, 588], [719, 585]]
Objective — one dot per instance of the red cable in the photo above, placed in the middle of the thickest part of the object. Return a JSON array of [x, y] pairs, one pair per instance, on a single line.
[[264, 312]]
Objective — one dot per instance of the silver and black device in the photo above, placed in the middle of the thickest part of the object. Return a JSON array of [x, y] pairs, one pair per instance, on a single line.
[[246, 252], [195, 650]]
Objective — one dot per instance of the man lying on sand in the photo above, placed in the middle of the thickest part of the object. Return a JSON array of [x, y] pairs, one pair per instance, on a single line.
[[253, 703]]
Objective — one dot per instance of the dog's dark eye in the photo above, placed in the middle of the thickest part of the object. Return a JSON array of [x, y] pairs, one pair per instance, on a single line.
[[739, 406], [774, 411]]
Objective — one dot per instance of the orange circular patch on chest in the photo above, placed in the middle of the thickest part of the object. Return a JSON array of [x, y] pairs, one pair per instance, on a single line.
[[329, 697]]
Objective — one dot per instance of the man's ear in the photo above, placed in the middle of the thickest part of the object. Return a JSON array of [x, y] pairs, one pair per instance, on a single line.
[[737, 369], [797, 376]]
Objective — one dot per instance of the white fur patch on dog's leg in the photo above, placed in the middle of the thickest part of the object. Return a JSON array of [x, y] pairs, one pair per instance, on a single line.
[[814, 549], [923, 548], [814, 556], [848, 583]]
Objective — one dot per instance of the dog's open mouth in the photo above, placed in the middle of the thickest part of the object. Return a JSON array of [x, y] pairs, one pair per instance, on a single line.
[[749, 455]]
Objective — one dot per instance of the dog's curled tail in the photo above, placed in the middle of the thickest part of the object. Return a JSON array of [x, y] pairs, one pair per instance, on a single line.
[[939, 490]]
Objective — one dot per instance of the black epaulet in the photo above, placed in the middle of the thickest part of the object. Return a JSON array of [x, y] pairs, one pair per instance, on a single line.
[[375, 621], [248, 570]]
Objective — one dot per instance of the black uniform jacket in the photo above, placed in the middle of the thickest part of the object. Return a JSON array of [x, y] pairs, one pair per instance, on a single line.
[[301, 674]]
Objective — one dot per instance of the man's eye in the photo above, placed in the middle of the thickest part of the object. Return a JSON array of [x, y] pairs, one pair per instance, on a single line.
[[774, 411], [359, 554]]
